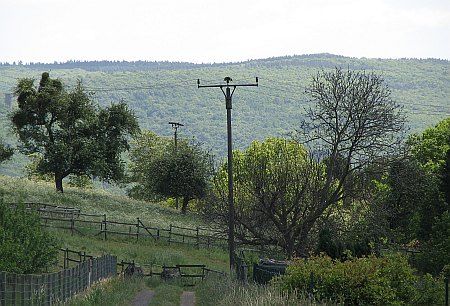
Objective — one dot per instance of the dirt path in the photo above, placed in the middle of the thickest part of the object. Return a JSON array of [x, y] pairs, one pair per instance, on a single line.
[[187, 298], [143, 298]]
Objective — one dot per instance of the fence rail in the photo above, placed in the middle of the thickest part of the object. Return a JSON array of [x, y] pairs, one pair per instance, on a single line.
[[76, 221], [57, 287]]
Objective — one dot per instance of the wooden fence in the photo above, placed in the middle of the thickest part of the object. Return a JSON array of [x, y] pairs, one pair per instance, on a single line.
[[51, 288], [74, 220]]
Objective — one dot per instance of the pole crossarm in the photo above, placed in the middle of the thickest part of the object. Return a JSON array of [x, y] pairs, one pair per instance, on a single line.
[[175, 124]]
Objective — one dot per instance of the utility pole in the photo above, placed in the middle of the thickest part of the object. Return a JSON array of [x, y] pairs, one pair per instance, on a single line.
[[228, 103], [175, 126]]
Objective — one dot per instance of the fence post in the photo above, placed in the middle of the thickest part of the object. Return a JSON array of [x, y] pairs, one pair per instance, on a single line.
[[60, 286], [157, 234], [66, 255], [446, 291], [48, 300], [72, 224], [29, 285], [14, 282], [311, 284], [137, 229], [104, 225], [198, 239], [2, 288]]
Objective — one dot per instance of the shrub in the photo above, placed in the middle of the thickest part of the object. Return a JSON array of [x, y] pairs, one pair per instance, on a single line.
[[388, 280], [25, 247]]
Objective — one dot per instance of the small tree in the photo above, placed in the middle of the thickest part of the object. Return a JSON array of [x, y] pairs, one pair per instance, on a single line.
[[69, 133], [161, 170]]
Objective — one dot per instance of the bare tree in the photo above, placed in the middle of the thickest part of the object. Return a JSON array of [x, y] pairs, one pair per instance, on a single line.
[[282, 189], [353, 122]]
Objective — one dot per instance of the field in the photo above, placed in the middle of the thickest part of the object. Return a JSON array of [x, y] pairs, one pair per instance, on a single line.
[[147, 253]]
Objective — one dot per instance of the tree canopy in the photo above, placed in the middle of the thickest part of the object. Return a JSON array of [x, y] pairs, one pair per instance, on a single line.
[[161, 170], [70, 134]]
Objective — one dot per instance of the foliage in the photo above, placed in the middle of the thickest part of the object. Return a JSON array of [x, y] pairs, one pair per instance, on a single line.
[[431, 146], [25, 247], [435, 253], [81, 181], [412, 200], [370, 280], [5, 152], [69, 133], [274, 182], [334, 246], [163, 170]]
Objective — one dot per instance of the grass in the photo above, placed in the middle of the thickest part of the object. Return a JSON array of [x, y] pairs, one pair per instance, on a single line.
[[167, 293], [226, 292], [97, 201], [115, 291], [144, 252]]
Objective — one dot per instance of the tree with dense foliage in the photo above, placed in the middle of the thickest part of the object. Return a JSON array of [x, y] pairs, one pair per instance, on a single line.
[[274, 185], [69, 133], [25, 246], [160, 169], [428, 194], [431, 147], [5, 152]]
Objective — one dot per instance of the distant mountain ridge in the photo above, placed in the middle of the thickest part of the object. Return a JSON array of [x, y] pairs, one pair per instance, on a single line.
[[123, 65]]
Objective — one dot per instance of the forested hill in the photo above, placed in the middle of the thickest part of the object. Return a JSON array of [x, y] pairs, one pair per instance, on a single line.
[[160, 92]]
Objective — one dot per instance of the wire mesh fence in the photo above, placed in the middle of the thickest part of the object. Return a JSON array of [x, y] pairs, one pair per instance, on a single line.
[[57, 287]]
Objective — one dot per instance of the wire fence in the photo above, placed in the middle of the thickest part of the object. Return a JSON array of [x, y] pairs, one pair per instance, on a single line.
[[57, 287], [74, 220]]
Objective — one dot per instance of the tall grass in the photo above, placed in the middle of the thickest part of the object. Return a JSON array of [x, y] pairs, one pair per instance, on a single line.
[[222, 291], [115, 291]]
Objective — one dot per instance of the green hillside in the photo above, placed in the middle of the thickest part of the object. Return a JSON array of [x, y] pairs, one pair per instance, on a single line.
[[160, 92]]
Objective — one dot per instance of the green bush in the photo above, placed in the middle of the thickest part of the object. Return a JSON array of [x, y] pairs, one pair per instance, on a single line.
[[388, 280], [25, 247]]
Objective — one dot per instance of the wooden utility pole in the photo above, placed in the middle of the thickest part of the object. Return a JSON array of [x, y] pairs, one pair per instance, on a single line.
[[175, 126], [228, 93]]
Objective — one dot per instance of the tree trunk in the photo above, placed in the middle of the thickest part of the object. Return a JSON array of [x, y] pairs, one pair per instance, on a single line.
[[185, 205], [58, 183]]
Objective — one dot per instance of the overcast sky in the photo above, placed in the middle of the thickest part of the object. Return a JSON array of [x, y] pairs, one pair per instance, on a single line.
[[217, 31]]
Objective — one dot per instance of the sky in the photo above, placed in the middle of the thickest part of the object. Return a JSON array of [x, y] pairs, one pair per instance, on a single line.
[[206, 31]]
